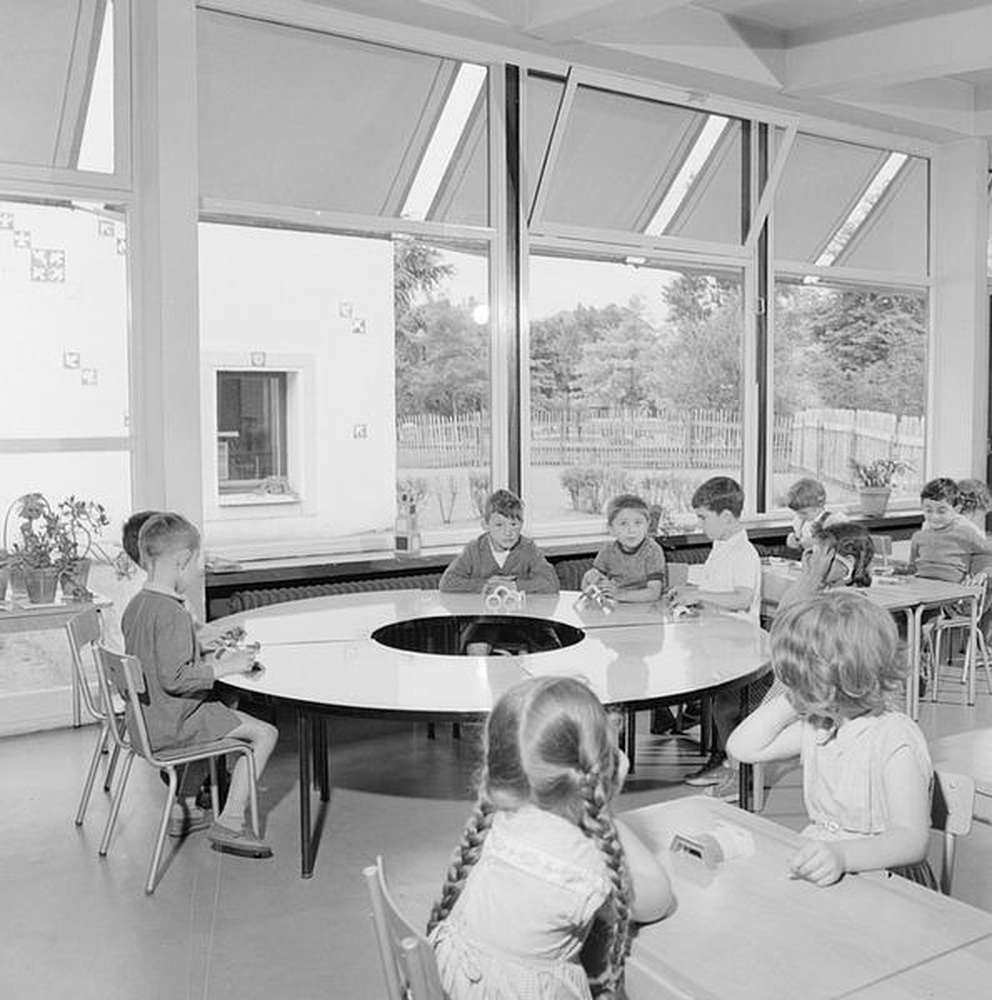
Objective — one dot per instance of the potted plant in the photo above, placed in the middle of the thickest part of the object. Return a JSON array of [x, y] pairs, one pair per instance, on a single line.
[[5, 562], [81, 523], [874, 482], [38, 552]]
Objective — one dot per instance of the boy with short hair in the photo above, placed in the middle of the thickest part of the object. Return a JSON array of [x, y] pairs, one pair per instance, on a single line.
[[730, 579], [807, 499], [631, 568], [501, 555], [947, 547], [181, 708]]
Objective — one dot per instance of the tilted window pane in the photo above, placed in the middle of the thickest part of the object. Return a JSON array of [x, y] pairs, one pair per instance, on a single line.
[[850, 383], [57, 58], [636, 385], [293, 117]]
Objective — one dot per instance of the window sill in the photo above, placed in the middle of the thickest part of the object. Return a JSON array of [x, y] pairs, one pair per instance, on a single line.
[[257, 499]]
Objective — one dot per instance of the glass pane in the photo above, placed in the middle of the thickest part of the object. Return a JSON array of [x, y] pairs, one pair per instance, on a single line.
[[57, 57], [64, 323], [624, 160], [294, 117], [251, 429], [543, 95], [850, 383], [635, 385], [443, 390]]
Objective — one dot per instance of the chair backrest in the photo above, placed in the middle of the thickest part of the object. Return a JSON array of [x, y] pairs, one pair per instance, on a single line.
[[407, 957], [952, 806], [122, 675], [84, 632]]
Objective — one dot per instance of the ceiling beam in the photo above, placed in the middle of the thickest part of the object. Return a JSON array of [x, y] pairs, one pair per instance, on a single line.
[[941, 45], [561, 20]]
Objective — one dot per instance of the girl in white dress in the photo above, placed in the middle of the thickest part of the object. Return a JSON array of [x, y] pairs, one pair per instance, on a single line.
[[542, 889], [866, 768]]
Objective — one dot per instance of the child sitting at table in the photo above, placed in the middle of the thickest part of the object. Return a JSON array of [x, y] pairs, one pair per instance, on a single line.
[[542, 890], [631, 568], [807, 499], [840, 556], [947, 547], [501, 555], [181, 708], [866, 768], [729, 580]]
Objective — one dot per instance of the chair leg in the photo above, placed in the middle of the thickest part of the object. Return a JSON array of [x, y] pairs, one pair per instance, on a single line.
[[111, 768], [163, 828], [758, 789], [253, 791], [984, 650], [115, 807], [84, 799]]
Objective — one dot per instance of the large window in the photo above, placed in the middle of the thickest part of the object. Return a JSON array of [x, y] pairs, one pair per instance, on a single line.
[[635, 384]]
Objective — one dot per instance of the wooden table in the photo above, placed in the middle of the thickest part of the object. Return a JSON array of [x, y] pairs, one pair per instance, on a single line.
[[319, 656], [24, 617], [746, 931], [906, 595]]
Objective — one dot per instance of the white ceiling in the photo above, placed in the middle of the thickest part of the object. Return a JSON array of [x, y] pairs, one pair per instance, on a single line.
[[919, 67]]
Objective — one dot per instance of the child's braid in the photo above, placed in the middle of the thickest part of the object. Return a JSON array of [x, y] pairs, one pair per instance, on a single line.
[[597, 823], [465, 855]]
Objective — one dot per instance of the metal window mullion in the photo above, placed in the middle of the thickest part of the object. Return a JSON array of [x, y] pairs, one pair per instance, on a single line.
[[769, 189], [853, 275], [634, 243]]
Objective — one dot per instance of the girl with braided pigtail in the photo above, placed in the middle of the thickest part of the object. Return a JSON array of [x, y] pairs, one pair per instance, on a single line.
[[542, 889]]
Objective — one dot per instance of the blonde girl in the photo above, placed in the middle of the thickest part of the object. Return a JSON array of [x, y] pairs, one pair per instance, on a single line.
[[542, 889], [866, 768]]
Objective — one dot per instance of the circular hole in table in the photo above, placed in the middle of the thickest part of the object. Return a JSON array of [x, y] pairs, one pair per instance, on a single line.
[[455, 635]]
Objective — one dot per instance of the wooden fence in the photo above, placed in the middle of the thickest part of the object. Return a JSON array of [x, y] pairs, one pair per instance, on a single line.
[[819, 443]]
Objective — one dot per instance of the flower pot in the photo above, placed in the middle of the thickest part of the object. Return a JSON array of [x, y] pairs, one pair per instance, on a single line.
[[74, 581], [874, 500], [41, 583], [4, 580], [18, 588]]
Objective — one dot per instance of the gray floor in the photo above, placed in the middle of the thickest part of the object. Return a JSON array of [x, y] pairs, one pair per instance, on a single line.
[[75, 925]]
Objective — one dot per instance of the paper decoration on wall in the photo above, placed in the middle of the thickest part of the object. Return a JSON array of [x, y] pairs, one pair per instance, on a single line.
[[358, 326], [360, 432], [88, 376], [344, 310], [6, 220], [22, 238], [70, 359], [47, 265], [258, 359], [105, 227], [121, 245]]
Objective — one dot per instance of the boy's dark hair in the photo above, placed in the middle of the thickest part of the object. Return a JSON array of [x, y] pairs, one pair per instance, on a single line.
[[805, 493], [503, 502], [719, 494], [848, 538], [129, 534], [940, 489], [627, 501], [166, 532]]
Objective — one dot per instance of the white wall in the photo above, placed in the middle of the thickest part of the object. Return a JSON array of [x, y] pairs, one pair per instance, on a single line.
[[297, 298]]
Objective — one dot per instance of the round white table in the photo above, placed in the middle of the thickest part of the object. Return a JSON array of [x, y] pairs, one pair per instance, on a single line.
[[318, 655]]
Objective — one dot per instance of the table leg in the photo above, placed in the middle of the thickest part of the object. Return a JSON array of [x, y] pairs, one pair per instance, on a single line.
[[75, 678], [303, 729], [631, 738], [320, 757], [971, 654]]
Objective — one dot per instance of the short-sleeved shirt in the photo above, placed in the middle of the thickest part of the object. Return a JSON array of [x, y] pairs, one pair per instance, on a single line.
[[632, 570], [844, 773], [181, 707], [950, 553], [733, 562]]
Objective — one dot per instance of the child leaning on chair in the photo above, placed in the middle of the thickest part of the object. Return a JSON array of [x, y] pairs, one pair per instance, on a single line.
[[182, 708]]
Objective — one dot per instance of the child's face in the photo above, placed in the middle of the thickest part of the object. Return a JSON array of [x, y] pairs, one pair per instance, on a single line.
[[629, 528], [810, 513], [189, 569], [938, 513], [504, 532], [716, 526]]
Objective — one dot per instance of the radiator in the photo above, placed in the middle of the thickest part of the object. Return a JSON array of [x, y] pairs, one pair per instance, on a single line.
[[245, 600]]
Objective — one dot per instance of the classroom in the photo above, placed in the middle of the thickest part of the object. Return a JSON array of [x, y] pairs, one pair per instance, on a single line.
[[328, 277]]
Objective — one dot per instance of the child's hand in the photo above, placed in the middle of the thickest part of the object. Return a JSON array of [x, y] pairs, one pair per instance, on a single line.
[[501, 580], [687, 594], [818, 862], [608, 587], [235, 661]]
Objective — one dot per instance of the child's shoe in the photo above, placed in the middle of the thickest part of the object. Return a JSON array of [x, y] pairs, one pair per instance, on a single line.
[[728, 788], [711, 773], [188, 817], [241, 842]]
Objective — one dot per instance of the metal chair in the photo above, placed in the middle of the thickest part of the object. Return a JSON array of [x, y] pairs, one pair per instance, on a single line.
[[975, 646], [407, 957], [124, 675], [952, 806], [84, 633]]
